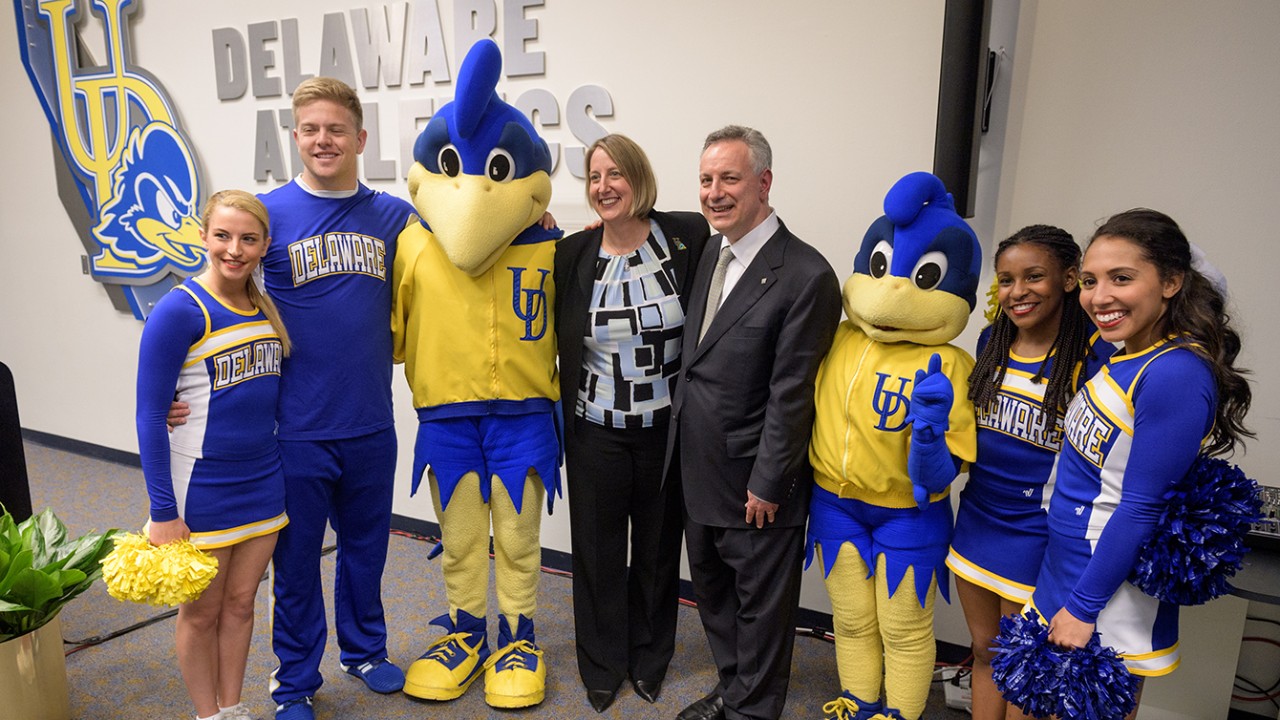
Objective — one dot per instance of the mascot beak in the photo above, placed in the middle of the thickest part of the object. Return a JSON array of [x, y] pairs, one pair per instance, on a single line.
[[475, 219], [181, 245]]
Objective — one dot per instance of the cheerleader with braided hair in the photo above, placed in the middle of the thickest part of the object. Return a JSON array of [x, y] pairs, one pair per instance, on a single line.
[[1035, 355]]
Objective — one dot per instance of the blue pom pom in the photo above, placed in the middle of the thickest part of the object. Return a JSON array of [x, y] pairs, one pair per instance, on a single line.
[[1094, 684], [1198, 542], [1090, 683], [1024, 666]]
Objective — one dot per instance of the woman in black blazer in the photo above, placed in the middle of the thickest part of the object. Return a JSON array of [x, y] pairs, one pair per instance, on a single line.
[[620, 302]]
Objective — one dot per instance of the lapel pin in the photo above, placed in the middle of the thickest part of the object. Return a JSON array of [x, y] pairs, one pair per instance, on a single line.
[[764, 280], [679, 245]]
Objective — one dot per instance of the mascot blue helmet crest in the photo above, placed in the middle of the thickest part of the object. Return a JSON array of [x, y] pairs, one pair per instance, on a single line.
[[916, 274], [478, 133], [481, 175]]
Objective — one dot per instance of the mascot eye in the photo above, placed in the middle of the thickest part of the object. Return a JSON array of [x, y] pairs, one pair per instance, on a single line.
[[881, 258], [929, 270], [500, 167], [450, 162], [165, 210]]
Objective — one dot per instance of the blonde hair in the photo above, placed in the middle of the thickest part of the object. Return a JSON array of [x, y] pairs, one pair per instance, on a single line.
[[635, 168], [241, 200], [333, 90]]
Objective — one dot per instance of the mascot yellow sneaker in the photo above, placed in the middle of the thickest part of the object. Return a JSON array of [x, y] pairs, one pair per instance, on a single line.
[[515, 676], [453, 662]]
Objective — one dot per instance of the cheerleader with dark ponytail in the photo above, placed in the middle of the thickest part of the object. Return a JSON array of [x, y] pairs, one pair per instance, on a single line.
[[1035, 355], [1134, 431]]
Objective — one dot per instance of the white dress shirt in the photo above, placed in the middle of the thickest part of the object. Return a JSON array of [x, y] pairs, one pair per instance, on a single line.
[[745, 250]]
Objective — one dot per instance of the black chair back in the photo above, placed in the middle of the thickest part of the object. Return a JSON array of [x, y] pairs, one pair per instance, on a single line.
[[15, 490]]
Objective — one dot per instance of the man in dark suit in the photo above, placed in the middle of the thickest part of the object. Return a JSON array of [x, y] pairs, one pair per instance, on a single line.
[[764, 307]]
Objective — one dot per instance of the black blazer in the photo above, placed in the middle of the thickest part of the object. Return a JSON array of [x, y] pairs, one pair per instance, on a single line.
[[743, 412], [575, 268]]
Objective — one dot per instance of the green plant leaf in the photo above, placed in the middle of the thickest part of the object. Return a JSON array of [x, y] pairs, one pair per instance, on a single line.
[[68, 579], [86, 553], [8, 530], [35, 589], [46, 534], [19, 562], [41, 570]]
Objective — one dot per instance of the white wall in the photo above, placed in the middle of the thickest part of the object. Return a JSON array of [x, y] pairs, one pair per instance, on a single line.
[[846, 92], [1174, 105]]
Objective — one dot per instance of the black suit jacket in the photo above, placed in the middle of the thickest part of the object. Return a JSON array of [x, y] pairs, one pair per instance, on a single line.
[[575, 268], [743, 412]]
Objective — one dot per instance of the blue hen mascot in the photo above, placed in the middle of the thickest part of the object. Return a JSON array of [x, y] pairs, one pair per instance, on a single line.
[[893, 427], [471, 324]]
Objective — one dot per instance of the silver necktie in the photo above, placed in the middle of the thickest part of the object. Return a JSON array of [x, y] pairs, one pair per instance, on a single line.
[[717, 288]]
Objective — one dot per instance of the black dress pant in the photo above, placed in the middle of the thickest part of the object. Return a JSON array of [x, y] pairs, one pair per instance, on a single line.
[[624, 615], [747, 583]]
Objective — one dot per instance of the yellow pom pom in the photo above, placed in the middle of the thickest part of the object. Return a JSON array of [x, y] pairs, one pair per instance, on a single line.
[[993, 301], [172, 574]]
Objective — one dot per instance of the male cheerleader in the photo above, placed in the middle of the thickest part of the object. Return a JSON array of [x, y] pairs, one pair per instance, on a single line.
[[329, 270]]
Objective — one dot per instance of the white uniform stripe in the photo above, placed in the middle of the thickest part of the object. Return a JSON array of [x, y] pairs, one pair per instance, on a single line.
[[231, 536], [180, 467], [1110, 399], [195, 389], [1005, 588], [234, 336]]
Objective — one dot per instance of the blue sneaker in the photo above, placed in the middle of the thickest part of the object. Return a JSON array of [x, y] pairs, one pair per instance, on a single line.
[[296, 709], [849, 707], [382, 676]]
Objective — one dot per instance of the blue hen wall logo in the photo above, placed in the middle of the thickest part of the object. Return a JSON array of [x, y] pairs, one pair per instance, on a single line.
[[126, 162]]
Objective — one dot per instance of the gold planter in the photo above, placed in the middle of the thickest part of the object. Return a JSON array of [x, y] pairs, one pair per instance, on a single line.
[[33, 675]]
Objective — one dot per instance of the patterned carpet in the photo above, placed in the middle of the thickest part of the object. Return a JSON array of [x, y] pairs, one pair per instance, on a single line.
[[135, 675]]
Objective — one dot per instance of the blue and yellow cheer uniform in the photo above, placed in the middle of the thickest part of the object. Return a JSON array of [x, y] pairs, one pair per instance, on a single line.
[[1135, 429], [1003, 506], [220, 472], [328, 269]]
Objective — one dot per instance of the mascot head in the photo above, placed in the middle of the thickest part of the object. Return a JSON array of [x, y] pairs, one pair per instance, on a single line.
[[915, 277], [152, 216], [480, 175]]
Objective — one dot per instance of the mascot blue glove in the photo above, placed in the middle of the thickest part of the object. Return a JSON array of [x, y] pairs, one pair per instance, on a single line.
[[893, 426], [929, 462], [471, 322]]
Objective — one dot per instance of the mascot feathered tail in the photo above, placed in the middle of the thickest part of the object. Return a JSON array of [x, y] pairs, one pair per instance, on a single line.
[[471, 322], [893, 426]]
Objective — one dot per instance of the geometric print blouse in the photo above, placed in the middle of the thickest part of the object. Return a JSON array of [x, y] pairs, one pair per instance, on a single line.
[[631, 348]]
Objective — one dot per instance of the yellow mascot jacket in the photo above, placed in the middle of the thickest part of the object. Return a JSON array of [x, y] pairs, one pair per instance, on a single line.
[[860, 437], [475, 340]]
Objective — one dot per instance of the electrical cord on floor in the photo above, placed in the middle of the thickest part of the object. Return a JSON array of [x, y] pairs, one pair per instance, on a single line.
[[89, 642], [99, 639], [1260, 694], [1271, 695], [1245, 685]]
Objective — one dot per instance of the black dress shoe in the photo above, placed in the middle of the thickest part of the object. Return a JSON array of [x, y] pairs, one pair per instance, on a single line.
[[649, 690], [710, 707], [601, 699]]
